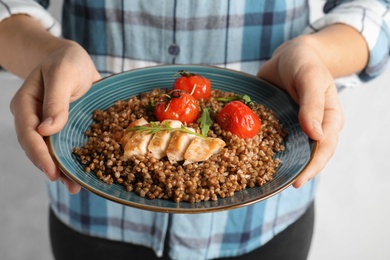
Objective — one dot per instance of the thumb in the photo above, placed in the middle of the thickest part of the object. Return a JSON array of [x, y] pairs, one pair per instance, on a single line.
[[54, 107], [58, 94], [311, 99], [311, 113]]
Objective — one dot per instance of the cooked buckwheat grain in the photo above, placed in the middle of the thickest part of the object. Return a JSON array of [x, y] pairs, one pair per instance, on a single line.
[[241, 164]]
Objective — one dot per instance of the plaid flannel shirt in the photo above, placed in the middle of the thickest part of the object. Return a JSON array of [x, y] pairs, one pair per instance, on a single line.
[[240, 35]]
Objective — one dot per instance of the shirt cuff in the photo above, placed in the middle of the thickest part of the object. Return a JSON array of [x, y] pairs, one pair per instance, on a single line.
[[372, 20], [30, 8]]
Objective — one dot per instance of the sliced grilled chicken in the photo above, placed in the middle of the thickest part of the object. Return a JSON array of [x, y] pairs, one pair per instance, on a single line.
[[136, 143], [178, 145], [126, 137], [200, 149], [160, 140]]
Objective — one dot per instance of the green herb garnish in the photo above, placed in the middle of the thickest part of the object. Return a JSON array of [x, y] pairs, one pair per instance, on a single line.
[[243, 98], [205, 121], [153, 128]]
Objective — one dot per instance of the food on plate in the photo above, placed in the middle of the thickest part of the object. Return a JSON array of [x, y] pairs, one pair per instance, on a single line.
[[126, 137], [200, 149], [160, 140], [239, 119], [177, 105], [196, 85], [198, 160], [178, 145], [168, 138]]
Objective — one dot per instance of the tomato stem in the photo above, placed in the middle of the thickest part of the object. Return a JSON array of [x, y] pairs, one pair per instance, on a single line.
[[184, 73]]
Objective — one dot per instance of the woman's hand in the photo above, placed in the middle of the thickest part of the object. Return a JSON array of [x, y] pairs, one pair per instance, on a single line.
[[40, 106], [298, 69], [305, 67]]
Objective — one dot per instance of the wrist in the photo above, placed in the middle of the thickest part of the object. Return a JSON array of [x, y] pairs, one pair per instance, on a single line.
[[21, 52], [342, 49]]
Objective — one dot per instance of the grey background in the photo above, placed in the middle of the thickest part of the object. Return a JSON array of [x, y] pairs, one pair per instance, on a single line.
[[352, 220]]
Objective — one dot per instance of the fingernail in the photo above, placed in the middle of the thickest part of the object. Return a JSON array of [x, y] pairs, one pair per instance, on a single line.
[[47, 122], [317, 127], [302, 183]]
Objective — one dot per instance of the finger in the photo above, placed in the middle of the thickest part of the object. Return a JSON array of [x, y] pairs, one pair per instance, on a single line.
[[34, 146], [312, 93], [325, 151], [72, 186], [26, 107], [57, 92], [332, 124]]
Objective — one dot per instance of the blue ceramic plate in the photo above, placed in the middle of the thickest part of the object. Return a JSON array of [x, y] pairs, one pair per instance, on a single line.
[[299, 148]]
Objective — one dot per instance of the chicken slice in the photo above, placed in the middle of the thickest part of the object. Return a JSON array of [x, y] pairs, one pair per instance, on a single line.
[[137, 145], [178, 145], [200, 149], [126, 137], [137, 142], [160, 140]]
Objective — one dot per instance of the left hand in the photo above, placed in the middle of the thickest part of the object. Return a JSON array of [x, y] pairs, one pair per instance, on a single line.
[[40, 106], [300, 71]]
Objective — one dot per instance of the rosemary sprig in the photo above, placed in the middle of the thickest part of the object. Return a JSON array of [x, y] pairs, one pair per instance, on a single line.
[[153, 128]]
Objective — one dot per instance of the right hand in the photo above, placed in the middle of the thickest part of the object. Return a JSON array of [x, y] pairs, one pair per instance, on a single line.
[[40, 106], [297, 68]]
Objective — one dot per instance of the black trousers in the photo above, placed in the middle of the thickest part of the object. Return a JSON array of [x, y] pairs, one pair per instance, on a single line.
[[67, 244]]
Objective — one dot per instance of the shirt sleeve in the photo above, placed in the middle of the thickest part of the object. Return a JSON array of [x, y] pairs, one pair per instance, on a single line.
[[369, 17], [33, 9]]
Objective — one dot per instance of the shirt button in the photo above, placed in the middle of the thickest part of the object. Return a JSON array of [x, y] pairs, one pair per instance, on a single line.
[[174, 49]]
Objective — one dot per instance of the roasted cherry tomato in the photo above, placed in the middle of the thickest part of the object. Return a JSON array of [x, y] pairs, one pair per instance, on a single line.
[[197, 85], [177, 105], [239, 119]]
